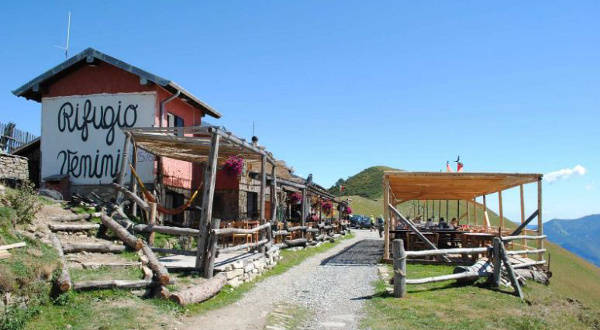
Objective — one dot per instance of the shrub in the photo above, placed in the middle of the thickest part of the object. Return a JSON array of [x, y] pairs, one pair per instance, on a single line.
[[24, 201]]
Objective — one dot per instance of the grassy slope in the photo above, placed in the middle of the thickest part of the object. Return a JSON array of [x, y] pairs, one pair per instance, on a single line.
[[446, 305], [366, 183]]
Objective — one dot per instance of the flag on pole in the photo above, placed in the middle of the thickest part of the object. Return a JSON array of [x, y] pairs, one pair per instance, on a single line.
[[342, 188], [448, 168], [459, 167]]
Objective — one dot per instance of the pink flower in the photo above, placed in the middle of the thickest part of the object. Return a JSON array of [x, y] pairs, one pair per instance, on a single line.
[[234, 165]]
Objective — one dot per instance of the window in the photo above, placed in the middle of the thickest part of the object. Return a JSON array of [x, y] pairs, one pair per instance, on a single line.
[[252, 205], [175, 121]]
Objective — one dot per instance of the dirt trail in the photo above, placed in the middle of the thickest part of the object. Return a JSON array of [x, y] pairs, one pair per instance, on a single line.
[[325, 291]]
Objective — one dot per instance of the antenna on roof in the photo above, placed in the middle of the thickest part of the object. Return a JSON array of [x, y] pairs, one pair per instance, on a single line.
[[66, 48]]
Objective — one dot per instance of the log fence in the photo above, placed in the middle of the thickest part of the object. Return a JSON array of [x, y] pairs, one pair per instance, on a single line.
[[498, 257]]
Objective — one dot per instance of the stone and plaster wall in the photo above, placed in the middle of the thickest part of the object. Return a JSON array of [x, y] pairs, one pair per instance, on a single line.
[[13, 167]]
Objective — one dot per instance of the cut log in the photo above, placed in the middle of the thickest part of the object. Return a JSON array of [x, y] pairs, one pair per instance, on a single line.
[[303, 228], [243, 246], [141, 228], [535, 275], [12, 246], [72, 227], [174, 251], [467, 276], [122, 233], [138, 200], [159, 270], [77, 217], [296, 242], [93, 247], [483, 267], [446, 251], [147, 272], [96, 265], [64, 280], [229, 231], [112, 284], [4, 254], [202, 292]]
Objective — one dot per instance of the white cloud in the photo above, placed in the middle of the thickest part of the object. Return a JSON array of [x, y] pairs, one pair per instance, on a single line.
[[565, 173]]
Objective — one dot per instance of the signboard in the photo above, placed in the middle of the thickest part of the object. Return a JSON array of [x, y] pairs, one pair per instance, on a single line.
[[82, 136]]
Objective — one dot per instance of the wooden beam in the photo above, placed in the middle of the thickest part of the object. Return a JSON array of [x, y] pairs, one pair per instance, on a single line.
[[500, 210], [414, 229], [302, 221], [263, 187], [524, 224], [386, 217], [522, 209], [208, 193], [274, 200], [540, 229], [124, 161]]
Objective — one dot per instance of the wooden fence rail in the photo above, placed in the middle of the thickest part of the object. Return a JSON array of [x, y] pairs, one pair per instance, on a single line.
[[499, 256]]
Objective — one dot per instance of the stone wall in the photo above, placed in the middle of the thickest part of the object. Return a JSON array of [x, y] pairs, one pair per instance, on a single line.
[[13, 167], [247, 269]]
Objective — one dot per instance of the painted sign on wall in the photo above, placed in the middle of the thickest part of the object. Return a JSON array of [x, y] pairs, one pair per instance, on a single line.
[[82, 137]]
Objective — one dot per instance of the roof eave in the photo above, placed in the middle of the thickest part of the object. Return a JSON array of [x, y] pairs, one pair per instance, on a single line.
[[28, 89]]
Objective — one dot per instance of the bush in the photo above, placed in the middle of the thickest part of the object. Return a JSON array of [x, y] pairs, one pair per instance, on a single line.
[[24, 201]]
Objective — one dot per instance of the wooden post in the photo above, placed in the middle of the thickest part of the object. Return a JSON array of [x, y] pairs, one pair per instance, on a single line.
[[386, 218], [540, 242], [486, 219], [510, 271], [447, 213], [399, 268], [208, 193], [468, 214], [303, 206], [209, 262], [274, 199], [458, 210], [524, 242], [263, 187], [500, 211], [496, 261], [151, 221], [124, 157], [133, 181], [475, 211]]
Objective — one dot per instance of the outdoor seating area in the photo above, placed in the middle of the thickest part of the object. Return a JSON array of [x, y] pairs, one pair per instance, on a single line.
[[466, 230], [247, 200]]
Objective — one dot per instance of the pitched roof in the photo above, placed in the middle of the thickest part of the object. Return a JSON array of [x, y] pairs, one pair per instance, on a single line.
[[31, 89]]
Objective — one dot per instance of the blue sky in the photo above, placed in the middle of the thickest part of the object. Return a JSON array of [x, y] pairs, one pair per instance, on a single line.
[[336, 86]]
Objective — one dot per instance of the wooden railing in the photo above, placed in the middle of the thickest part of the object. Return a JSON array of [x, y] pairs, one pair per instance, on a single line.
[[498, 256]]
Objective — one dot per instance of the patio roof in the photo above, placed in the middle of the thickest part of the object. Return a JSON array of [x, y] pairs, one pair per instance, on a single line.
[[406, 186], [193, 143]]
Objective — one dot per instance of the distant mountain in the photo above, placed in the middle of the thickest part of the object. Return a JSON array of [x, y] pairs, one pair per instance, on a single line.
[[367, 183], [580, 236]]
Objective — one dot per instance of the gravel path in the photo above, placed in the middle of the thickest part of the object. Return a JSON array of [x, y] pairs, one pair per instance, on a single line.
[[325, 291]]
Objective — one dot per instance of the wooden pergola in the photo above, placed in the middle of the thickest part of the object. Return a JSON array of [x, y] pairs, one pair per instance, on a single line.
[[400, 186], [211, 145]]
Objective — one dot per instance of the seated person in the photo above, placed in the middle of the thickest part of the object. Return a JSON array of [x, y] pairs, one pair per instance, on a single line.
[[429, 223], [443, 224], [454, 223]]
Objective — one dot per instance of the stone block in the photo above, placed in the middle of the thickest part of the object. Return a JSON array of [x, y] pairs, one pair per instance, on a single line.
[[234, 273]]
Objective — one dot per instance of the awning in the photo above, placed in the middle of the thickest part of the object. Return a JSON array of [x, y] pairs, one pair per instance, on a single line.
[[406, 186]]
